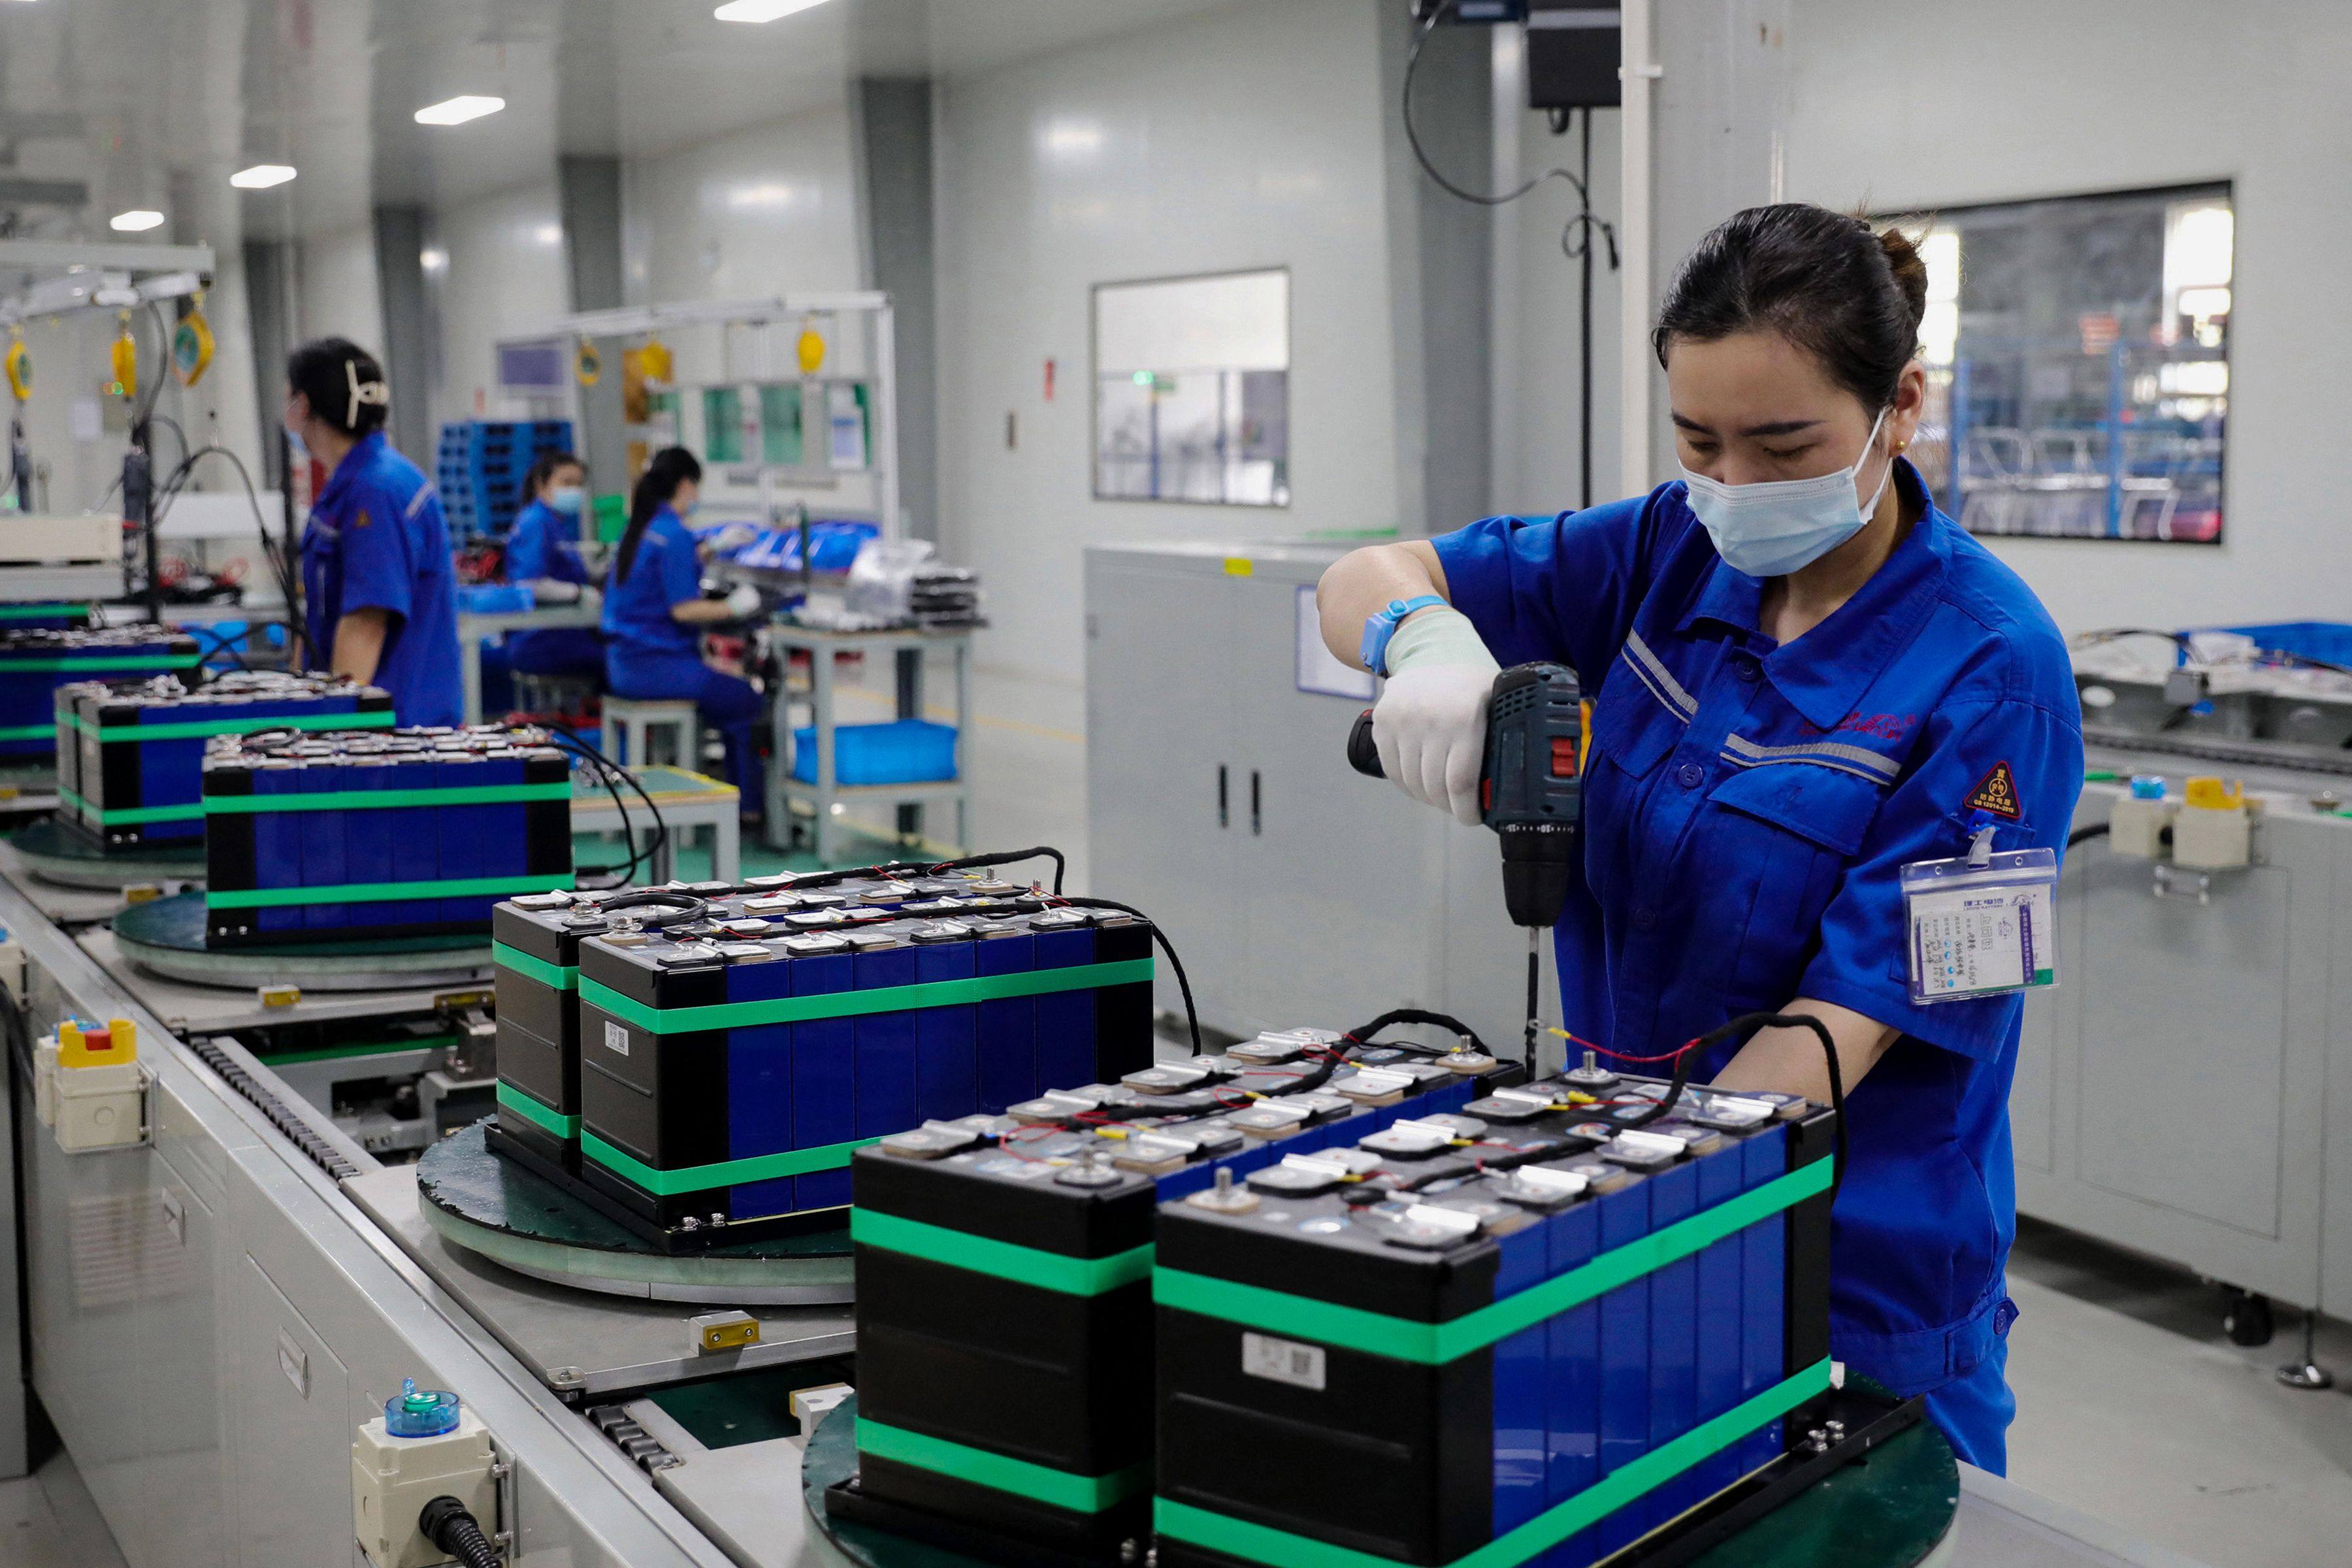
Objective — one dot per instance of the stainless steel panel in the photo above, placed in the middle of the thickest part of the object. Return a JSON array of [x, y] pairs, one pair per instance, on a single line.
[[290, 1461], [2191, 1018]]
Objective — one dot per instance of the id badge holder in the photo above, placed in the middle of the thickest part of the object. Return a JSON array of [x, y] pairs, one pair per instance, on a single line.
[[1981, 924]]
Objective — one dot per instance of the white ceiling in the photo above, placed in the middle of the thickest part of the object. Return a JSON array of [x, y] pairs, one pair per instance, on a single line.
[[155, 102]]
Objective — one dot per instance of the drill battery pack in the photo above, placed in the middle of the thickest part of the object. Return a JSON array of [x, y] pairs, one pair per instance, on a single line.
[[130, 753], [1005, 1316], [415, 832], [1597, 1330], [36, 661], [729, 1069]]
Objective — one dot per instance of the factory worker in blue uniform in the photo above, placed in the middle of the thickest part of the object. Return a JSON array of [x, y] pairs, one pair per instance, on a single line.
[[380, 595], [1804, 677], [655, 615], [542, 554]]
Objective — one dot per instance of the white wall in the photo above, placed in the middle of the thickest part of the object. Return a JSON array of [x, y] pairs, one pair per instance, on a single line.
[[1245, 137], [766, 211], [1919, 106], [336, 295], [502, 275]]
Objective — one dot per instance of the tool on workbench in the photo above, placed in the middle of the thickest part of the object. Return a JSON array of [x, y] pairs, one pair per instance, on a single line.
[[1530, 791]]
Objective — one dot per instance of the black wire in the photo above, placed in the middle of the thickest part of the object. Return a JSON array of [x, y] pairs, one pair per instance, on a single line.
[[690, 907], [222, 642], [169, 492], [609, 771], [1362, 1033], [1184, 984], [1741, 1024], [2083, 834], [921, 867], [1575, 238]]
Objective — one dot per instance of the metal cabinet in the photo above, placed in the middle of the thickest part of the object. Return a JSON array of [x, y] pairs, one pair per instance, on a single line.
[[1219, 801]]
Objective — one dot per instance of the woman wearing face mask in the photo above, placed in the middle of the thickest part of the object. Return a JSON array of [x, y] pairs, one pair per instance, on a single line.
[[1803, 678], [380, 601], [655, 614], [543, 554]]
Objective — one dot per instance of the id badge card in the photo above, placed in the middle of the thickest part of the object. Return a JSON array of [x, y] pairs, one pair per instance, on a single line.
[[1981, 927]]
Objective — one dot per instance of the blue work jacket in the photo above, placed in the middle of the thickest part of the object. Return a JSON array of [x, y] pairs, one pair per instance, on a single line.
[[638, 628], [544, 543], [376, 540], [1748, 808]]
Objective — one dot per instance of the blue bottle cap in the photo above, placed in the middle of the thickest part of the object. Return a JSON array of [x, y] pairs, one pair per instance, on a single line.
[[2146, 786], [416, 1411]]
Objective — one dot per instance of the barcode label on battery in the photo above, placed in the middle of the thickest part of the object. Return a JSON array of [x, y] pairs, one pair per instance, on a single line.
[[616, 1037], [1282, 1360]]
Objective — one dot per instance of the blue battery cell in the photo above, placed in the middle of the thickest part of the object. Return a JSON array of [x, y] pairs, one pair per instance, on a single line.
[[885, 1047], [1674, 1332], [278, 845], [463, 850], [825, 1080], [1006, 1028], [1066, 1019], [325, 863], [415, 834], [1572, 1382], [1763, 1253], [947, 1061], [1721, 1311], [1520, 1386], [760, 1086], [1625, 1219]]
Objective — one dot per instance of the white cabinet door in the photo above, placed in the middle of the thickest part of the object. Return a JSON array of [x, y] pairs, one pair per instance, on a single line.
[[1338, 873], [1162, 799]]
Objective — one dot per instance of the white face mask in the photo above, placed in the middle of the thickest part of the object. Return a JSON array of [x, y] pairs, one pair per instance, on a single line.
[[1779, 526]]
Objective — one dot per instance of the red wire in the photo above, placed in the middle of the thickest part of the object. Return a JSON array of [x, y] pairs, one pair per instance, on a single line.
[[1621, 1057]]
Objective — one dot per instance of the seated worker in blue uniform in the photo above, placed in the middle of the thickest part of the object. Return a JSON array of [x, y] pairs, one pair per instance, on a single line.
[[1804, 677], [655, 614], [543, 554], [380, 595]]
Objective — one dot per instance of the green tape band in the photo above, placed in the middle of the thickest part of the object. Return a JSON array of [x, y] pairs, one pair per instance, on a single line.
[[192, 729], [1077, 1494], [1263, 1543], [378, 799], [40, 612], [538, 1115], [379, 892], [127, 814], [723, 1172], [1377, 1333], [857, 1004], [157, 661], [563, 977], [1003, 1259], [27, 731]]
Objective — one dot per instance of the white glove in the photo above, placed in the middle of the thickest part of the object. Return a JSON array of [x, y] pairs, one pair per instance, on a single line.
[[1430, 723], [744, 601]]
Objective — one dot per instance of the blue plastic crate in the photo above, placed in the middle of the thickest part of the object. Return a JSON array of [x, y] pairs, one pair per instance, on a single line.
[[908, 750]]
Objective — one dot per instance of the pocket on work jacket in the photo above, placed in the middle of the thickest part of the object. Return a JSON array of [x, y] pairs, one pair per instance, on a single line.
[[1777, 841]]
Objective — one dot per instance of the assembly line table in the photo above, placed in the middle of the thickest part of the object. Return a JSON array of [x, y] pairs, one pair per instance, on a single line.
[[473, 625], [908, 647], [686, 801]]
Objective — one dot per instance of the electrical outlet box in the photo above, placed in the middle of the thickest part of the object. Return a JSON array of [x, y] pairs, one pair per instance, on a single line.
[[12, 966], [2135, 826], [393, 1478], [89, 1088]]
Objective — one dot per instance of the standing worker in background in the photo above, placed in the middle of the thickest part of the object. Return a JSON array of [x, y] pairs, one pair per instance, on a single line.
[[1805, 679], [655, 614], [381, 603], [543, 554]]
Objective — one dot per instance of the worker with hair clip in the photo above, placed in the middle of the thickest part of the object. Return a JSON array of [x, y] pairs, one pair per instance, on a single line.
[[655, 615], [381, 596], [1805, 679], [542, 554]]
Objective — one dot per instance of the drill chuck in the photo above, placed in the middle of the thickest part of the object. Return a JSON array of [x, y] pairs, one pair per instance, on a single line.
[[1538, 860]]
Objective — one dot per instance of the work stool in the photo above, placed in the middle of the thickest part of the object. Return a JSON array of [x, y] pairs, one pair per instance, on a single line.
[[631, 731], [560, 694]]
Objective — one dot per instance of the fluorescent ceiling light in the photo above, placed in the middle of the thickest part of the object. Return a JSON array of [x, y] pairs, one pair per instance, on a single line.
[[762, 10], [136, 219], [459, 110], [261, 177]]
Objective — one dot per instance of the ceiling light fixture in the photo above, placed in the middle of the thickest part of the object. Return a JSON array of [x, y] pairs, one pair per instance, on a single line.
[[135, 220], [762, 10], [261, 177], [459, 110]]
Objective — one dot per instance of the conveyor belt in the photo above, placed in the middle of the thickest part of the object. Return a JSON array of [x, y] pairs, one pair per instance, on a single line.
[[2220, 749]]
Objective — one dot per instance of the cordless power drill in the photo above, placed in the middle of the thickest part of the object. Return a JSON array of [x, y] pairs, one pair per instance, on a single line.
[[1530, 791]]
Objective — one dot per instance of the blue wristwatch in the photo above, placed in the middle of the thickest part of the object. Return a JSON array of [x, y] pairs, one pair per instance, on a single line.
[[1380, 625]]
